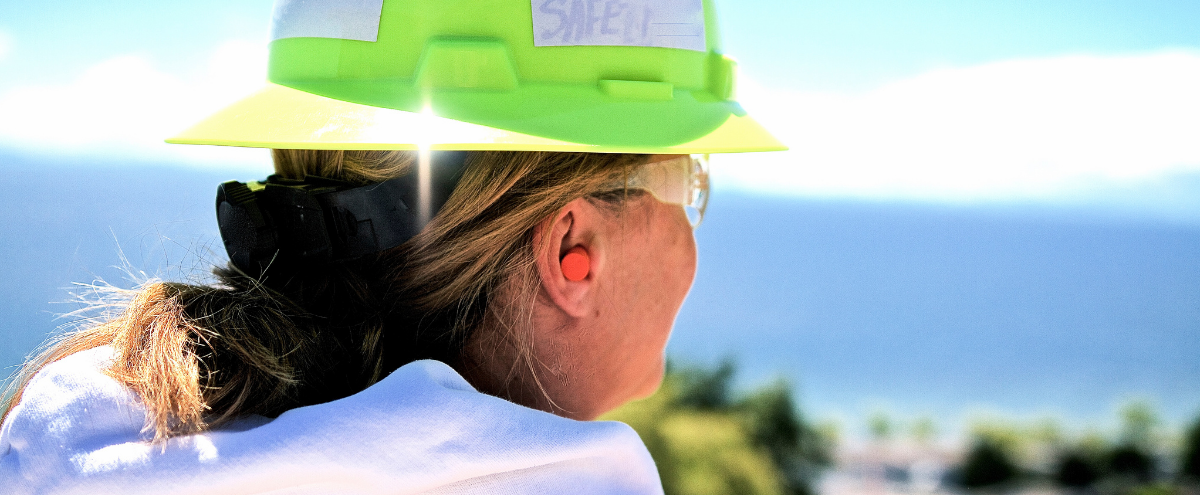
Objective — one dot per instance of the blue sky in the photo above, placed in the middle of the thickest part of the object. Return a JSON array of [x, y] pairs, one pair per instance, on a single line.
[[860, 44], [926, 99], [801, 44]]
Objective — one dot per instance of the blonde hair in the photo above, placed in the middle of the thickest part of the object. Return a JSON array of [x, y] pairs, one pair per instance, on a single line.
[[201, 355]]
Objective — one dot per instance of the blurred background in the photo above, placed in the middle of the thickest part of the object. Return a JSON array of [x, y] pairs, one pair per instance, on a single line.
[[977, 267]]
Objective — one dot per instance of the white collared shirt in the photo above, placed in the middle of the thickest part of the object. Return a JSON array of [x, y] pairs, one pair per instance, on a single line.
[[423, 429]]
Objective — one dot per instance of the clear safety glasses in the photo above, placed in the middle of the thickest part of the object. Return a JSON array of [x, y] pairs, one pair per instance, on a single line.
[[682, 180]]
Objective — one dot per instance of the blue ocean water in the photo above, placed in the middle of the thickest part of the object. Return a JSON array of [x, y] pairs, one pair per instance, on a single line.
[[76, 221], [939, 310], [916, 308]]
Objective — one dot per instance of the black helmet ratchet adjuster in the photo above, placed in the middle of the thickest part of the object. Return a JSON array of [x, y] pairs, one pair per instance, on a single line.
[[316, 220]]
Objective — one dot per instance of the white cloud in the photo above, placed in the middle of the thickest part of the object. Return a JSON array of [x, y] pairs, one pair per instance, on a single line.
[[124, 107], [1020, 128]]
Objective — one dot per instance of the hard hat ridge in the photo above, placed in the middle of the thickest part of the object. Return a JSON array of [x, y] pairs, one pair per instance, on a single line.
[[643, 76]]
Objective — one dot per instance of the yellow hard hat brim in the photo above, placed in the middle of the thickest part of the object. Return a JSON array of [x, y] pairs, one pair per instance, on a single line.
[[285, 118]]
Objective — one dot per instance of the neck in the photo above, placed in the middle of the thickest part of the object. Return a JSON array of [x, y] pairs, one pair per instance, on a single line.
[[494, 364]]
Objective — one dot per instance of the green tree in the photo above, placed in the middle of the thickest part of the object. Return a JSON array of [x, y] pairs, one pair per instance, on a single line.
[[698, 452], [1189, 462], [705, 389], [1138, 423], [924, 430], [1083, 463], [798, 450], [706, 441], [881, 426], [1131, 459], [1077, 469], [987, 464], [1047, 431]]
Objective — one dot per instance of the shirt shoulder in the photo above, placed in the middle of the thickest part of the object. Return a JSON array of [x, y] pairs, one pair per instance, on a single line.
[[426, 425], [69, 408], [421, 429]]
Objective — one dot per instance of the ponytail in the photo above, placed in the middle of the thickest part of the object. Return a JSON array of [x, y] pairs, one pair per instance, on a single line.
[[202, 355], [199, 356]]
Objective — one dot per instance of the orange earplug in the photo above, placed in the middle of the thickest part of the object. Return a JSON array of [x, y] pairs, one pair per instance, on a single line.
[[576, 264]]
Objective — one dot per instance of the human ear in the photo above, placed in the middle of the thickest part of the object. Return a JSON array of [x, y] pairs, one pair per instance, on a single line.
[[574, 229]]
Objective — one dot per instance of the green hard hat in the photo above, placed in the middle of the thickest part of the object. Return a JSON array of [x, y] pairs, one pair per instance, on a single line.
[[632, 76]]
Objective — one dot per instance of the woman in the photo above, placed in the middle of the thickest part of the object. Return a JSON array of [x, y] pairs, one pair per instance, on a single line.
[[413, 321]]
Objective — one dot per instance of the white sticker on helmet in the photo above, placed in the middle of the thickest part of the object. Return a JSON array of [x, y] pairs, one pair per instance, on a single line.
[[658, 23], [342, 19]]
